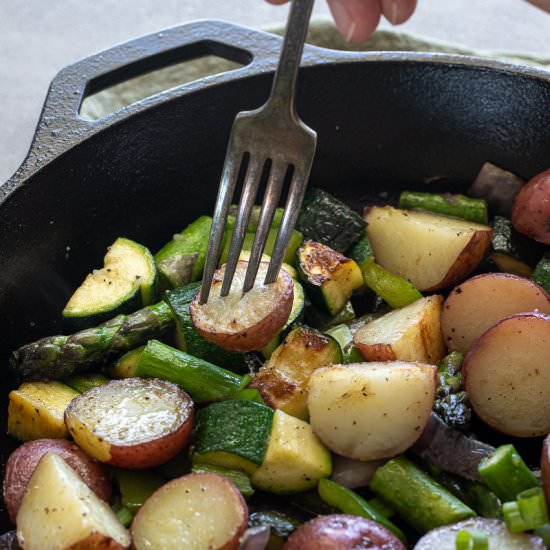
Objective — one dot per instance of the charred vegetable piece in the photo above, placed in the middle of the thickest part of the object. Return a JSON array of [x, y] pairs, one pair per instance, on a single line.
[[202, 380], [136, 487], [329, 277], [125, 366], [237, 477], [419, 499], [181, 260], [54, 357], [127, 282], [459, 206], [85, 382]]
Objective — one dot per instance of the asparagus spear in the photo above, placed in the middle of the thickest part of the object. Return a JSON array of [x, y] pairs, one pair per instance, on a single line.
[[54, 357]]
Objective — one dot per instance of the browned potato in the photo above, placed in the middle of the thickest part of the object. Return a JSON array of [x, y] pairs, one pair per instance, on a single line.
[[194, 512], [429, 250], [506, 375], [342, 532], [476, 304], [23, 461], [545, 467], [244, 322], [132, 423], [531, 211], [411, 333]]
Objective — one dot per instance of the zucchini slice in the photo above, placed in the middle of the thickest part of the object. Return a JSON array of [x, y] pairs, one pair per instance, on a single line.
[[127, 281], [328, 276]]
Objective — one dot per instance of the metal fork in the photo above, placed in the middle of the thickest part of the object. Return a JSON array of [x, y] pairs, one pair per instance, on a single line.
[[271, 134]]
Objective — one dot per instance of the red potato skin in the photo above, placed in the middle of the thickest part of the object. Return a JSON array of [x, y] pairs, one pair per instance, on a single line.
[[342, 532], [531, 211], [545, 467], [23, 461]]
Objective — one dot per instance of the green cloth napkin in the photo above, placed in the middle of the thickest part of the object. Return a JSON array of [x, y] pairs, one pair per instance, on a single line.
[[322, 33]]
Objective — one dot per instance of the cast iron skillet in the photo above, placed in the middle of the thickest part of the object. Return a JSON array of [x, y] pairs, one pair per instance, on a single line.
[[385, 121]]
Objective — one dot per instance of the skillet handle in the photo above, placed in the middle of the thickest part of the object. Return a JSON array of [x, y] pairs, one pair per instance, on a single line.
[[60, 126]]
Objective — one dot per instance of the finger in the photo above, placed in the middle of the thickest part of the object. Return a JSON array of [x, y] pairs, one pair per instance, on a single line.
[[542, 4], [398, 11], [356, 19]]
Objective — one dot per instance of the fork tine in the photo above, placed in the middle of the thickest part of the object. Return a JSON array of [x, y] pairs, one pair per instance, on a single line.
[[248, 196], [271, 200], [226, 190], [292, 209]]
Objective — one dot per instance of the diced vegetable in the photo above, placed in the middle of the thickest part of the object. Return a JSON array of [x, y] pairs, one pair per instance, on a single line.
[[321, 321], [541, 275], [85, 382], [125, 366], [233, 434], [282, 380], [127, 282], [136, 487], [420, 500], [429, 250], [60, 511], [459, 206], [371, 410], [526, 513], [237, 477], [505, 374], [280, 525], [194, 511], [36, 410], [328, 276], [325, 219], [343, 335], [132, 423], [295, 459], [181, 260], [507, 253], [249, 322], [411, 333], [478, 303]]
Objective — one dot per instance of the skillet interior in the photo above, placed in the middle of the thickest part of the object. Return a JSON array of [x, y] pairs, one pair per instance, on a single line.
[[382, 126]]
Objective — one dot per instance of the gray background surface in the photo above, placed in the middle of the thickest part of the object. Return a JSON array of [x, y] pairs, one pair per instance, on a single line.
[[39, 37]]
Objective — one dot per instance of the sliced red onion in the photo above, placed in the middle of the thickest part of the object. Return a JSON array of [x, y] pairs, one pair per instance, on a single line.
[[255, 538], [498, 187], [353, 473], [450, 449]]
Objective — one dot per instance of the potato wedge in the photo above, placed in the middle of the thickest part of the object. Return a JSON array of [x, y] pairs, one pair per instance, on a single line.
[[195, 511], [60, 512], [342, 532], [411, 333], [132, 423], [24, 460], [368, 411], [506, 374], [476, 304], [429, 250], [244, 322]]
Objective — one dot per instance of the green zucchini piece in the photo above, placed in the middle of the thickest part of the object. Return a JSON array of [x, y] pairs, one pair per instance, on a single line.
[[85, 382], [541, 275], [190, 341], [181, 260], [422, 502], [509, 250], [321, 321], [125, 366], [254, 217], [233, 434], [136, 487], [459, 206], [237, 477], [127, 281], [329, 277], [202, 380], [281, 525], [295, 459], [325, 219], [343, 335]]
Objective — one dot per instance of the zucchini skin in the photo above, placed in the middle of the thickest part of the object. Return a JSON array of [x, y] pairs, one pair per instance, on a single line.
[[541, 275]]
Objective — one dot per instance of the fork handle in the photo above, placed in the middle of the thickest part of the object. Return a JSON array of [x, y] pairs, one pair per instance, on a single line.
[[282, 90]]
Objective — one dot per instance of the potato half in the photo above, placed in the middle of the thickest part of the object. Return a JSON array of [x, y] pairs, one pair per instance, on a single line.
[[194, 512], [132, 423], [476, 304], [368, 411], [429, 250], [244, 322], [411, 333], [506, 374]]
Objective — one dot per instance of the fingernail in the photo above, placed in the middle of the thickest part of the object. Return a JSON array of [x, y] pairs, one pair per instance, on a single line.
[[393, 12], [343, 19]]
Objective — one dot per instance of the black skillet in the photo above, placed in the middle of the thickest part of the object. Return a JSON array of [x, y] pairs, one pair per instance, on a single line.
[[385, 121]]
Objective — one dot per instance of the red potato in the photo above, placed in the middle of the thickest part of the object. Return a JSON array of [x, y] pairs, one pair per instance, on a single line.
[[531, 212], [132, 423], [506, 374], [244, 322], [476, 304], [342, 532], [23, 461], [194, 511]]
